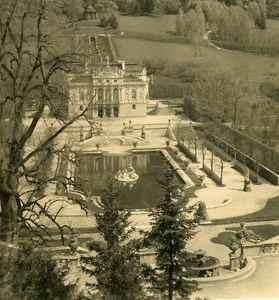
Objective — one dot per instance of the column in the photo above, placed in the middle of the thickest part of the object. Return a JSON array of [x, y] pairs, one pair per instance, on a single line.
[[111, 94]]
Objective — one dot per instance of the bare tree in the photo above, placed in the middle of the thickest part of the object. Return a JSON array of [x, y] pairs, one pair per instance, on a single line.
[[226, 97], [32, 55]]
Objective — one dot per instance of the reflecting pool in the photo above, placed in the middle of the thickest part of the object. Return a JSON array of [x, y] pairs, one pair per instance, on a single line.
[[96, 170]]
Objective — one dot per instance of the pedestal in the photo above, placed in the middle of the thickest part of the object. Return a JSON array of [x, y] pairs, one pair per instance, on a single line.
[[234, 261]]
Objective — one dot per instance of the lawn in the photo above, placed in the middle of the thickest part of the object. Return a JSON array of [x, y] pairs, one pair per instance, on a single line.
[[256, 67], [266, 231], [163, 23], [268, 213], [156, 24], [272, 25]]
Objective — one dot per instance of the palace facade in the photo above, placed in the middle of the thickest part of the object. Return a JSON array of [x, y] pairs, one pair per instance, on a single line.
[[109, 90]]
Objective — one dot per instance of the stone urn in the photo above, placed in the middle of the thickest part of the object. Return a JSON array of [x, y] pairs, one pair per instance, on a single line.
[[98, 146]]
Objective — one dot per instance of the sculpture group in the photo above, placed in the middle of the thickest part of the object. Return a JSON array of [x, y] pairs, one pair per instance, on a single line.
[[127, 175]]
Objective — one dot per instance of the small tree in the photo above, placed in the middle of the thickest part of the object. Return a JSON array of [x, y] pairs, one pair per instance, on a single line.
[[103, 22], [112, 21], [169, 234], [116, 266], [149, 6]]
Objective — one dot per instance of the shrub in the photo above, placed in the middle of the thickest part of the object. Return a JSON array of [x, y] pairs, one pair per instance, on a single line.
[[112, 21], [103, 22]]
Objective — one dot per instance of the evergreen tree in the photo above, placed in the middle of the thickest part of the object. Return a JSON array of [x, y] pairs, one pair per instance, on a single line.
[[169, 234], [103, 22], [29, 274], [149, 7], [116, 266], [112, 21]]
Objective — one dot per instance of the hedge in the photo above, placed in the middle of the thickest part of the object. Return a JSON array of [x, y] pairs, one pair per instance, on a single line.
[[187, 152]]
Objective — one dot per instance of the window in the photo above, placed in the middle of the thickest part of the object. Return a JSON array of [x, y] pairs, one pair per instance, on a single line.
[[108, 95], [134, 94], [100, 94], [133, 106], [81, 95], [81, 108], [115, 94]]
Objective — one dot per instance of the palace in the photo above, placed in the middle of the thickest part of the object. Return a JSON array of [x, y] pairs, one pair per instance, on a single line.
[[114, 90], [107, 86]]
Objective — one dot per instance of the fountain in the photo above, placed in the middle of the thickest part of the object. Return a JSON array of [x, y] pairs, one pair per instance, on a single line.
[[129, 176], [204, 266]]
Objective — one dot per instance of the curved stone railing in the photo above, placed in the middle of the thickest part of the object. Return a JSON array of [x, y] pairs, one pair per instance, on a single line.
[[230, 276], [148, 256]]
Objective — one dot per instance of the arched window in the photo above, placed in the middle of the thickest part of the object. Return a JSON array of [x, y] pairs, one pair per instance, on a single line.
[[100, 94], [115, 94], [107, 95]]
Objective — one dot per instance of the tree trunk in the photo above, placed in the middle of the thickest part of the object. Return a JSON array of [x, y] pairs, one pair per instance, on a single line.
[[9, 197], [9, 218], [170, 280]]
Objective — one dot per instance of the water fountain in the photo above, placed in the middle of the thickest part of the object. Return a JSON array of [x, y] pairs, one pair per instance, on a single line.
[[127, 176], [203, 265]]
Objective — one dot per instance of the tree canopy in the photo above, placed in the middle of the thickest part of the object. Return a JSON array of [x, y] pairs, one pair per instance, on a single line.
[[170, 231], [116, 266], [30, 274]]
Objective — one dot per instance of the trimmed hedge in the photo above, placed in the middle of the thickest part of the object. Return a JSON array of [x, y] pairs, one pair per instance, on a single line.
[[212, 175], [246, 148], [187, 152]]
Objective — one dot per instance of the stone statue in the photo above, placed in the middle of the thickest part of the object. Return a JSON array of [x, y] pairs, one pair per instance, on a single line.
[[246, 235], [107, 61], [131, 169], [201, 213]]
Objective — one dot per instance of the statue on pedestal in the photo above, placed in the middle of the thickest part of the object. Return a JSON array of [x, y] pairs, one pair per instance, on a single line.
[[201, 213], [245, 235], [247, 186]]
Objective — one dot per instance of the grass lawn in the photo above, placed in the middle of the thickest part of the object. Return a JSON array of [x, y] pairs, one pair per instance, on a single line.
[[266, 231], [256, 67], [272, 25], [163, 24], [269, 212]]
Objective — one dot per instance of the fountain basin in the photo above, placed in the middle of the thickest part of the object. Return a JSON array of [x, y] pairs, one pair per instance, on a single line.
[[203, 265]]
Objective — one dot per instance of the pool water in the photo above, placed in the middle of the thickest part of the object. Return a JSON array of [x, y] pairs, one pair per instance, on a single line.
[[96, 170]]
